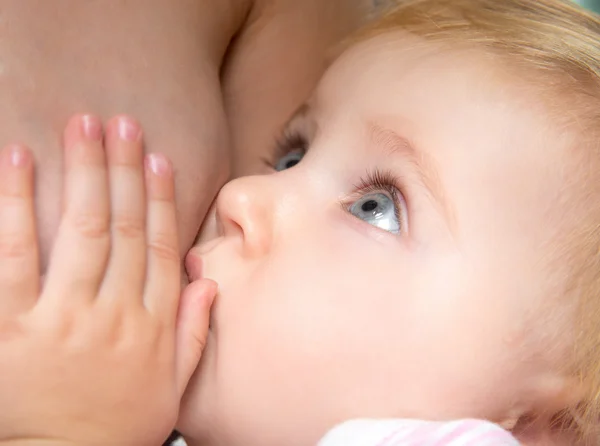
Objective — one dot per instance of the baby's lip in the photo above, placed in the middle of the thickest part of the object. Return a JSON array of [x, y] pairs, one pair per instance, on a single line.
[[193, 259], [193, 266]]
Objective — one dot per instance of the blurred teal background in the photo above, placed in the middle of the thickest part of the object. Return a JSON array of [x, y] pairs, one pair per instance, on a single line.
[[594, 5]]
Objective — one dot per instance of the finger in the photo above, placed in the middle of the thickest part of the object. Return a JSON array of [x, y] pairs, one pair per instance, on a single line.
[[81, 250], [192, 328], [164, 265], [19, 267], [126, 271]]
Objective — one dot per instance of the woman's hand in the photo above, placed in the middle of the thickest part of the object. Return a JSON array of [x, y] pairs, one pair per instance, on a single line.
[[102, 352]]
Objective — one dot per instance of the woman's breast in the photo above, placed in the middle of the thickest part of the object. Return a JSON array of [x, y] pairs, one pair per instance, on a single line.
[[150, 59]]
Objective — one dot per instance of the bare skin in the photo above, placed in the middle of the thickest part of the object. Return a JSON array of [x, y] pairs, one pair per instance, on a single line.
[[166, 63]]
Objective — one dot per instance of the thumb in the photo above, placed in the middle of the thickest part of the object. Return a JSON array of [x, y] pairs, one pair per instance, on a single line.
[[192, 328]]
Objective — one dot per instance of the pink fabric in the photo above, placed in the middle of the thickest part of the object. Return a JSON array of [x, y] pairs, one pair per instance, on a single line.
[[418, 433]]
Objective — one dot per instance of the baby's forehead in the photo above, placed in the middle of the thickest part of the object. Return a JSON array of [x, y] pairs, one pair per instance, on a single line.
[[394, 56], [433, 86]]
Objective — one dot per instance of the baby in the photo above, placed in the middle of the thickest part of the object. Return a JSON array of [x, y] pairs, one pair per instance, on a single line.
[[423, 244]]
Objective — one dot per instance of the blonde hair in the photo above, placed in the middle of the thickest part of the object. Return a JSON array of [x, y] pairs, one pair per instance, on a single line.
[[558, 42]]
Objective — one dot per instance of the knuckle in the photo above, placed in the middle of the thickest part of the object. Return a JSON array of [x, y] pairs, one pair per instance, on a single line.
[[128, 228], [161, 246], [15, 245], [12, 196], [90, 225]]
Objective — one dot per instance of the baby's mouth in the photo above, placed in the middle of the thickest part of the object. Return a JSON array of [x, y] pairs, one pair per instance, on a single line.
[[213, 321], [194, 266], [193, 260]]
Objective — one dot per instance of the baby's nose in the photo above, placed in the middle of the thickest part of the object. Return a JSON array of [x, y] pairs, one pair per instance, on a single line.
[[245, 209]]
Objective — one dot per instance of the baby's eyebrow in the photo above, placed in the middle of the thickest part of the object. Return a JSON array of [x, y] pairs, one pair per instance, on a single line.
[[424, 165]]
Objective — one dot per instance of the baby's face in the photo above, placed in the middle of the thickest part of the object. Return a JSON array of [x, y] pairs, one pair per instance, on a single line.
[[397, 270]]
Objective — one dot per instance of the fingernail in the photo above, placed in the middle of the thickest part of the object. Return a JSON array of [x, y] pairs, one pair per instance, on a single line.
[[158, 164], [91, 127], [19, 157], [128, 129], [15, 156]]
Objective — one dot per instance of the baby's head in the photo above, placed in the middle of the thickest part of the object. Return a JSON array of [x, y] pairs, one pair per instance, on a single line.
[[435, 254]]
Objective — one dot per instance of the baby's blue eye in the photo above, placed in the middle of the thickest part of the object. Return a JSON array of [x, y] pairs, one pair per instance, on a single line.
[[377, 209], [289, 160]]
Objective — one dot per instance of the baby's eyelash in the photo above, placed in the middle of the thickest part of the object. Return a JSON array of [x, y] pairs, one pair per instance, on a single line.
[[379, 181], [286, 142]]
